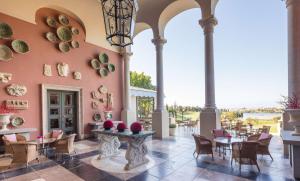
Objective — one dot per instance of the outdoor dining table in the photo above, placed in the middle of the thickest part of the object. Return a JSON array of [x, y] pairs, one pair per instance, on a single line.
[[225, 143], [43, 144], [136, 151]]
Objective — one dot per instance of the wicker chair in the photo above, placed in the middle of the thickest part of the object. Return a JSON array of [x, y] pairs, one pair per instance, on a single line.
[[245, 153], [203, 146], [219, 133], [264, 129], [7, 146], [65, 145], [263, 144], [23, 153], [5, 161]]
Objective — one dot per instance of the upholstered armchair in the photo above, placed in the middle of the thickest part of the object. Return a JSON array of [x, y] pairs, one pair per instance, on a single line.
[[65, 145], [11, 138], [203, 146], [23, 153], [245, 153], [263, 141]]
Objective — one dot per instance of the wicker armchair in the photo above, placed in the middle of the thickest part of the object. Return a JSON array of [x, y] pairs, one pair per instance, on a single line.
[[203, 146], [264, 129], [219, 133], [7, 146], [58, 134], [5, 161], [263, 144], [23, 153], [245, 153], [65, 145]]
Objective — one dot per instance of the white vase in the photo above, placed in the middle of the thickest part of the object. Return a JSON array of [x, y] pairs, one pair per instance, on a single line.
[[4, 121], [295, 120]]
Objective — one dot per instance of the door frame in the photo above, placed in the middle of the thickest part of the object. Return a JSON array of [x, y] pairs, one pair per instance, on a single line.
[[79, 106]]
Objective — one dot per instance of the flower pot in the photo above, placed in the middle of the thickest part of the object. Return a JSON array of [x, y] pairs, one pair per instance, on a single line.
[[172, 131], [135, 132], [4, 121], [295, 120], [107, 129], [121, 130]]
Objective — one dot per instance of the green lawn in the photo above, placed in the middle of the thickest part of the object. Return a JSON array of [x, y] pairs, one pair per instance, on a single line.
[[188, 115]]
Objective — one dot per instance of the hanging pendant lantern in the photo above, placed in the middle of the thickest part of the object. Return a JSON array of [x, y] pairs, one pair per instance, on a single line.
[[119, 17]]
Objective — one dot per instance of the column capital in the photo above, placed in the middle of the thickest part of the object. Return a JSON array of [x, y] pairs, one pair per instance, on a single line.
[[126, 54], [208, 24], [290, 2], [159, 41]]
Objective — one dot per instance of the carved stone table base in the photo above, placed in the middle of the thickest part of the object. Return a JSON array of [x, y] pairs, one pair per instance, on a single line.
[[109, 145], [136, 153]]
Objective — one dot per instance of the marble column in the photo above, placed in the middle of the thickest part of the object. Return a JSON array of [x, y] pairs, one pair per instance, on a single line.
[[209, 116], [293, 12], [127, 115], [160, 122]]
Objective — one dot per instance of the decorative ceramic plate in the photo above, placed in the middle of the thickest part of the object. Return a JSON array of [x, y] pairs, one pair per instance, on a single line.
[[103, 90], [95, 64], [51, 22], [103, 72], [64, 47], [20, 46], [97, 117], [111, 67], [64, 33], [52, 37], [75, 44], [63, 19], [103, 57], [5, 31], [17, 121], [5, 53], [75, 31]]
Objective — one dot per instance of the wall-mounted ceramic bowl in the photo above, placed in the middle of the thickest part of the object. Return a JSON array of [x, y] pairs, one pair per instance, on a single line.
[[103, 57], [64, 33], [63, 20], [95, 64], [5, 53], [5, 31], [111, 67], [75, 31], [17, 121], [103, 72], [75, 44], [52, 37], [20, 46], [64, 47], [51, 22]]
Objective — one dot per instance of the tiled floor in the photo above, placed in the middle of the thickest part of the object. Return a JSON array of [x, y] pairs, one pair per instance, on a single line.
[[172, 159]]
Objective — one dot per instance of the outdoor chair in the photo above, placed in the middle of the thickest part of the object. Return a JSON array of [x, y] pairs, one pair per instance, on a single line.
[[23, 153], [203, 146], [245, 153], [5, 161], [219, 133], [241, 130], [65, 145], [57, 134], [263, 141], [11, 138], [264, 129]]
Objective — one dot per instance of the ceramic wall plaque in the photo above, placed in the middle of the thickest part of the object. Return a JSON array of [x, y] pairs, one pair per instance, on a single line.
[[77, 75], [95, 95], [47, 70], [16, 90], [102, 89], [17, 104], [63, 69], [5, 77], [110, 100], [95, 105]]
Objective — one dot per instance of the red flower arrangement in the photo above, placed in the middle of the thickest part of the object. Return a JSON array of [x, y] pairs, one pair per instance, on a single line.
[[107, 125], [121, 127], [136, 127]]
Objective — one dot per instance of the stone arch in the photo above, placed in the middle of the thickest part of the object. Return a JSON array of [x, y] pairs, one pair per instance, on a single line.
[[140, 27]]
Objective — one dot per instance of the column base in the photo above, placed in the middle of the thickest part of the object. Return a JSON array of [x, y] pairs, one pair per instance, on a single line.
[[128, 117], [209, 120], [160, 123]]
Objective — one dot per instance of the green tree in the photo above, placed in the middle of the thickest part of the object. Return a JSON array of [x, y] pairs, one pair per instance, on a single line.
[[141, 80]]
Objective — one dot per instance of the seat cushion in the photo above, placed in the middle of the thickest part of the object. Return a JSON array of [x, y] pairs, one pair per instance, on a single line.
[[204, 142], [263, 136], [11, 137], [218, 132], [56, 134]]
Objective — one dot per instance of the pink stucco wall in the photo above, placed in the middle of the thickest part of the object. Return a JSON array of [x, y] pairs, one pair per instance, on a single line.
[[27, 69]]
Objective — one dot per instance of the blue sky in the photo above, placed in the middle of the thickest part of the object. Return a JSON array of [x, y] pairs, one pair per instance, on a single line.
[[250, 55]]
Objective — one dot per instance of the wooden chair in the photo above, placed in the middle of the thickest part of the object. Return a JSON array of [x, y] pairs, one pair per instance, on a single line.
[[263, 143], [23, 153], [203, 146], [8, 140], [245, 153], [65, 145]]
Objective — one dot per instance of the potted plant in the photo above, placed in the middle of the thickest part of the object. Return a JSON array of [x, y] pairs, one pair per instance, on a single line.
[[108, 124], [5, 114], [292, 107], [121, 127], [172, 129], [136, 127]]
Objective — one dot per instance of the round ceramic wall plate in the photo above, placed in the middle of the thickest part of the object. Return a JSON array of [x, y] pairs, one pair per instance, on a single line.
[[95, 64], [111, 67], [64, 33], [64, 47], [63, 20], [17, 121], [52, 37], [103, 57], [75, 31], [97, 117], [5, 31], [75, 44], [20, 46], [51, 22], [103, 72], [5, 53]]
